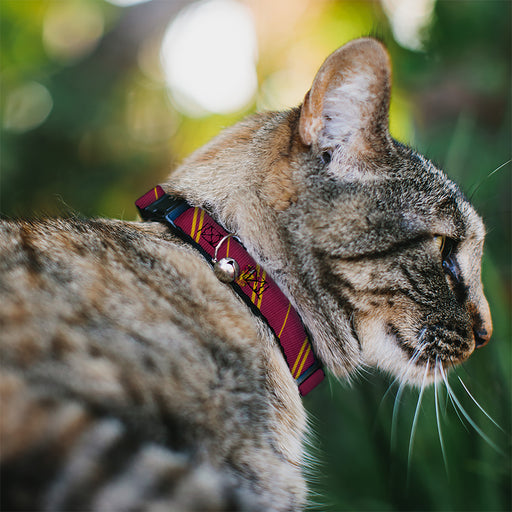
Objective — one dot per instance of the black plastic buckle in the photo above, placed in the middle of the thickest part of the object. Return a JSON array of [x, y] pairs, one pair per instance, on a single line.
[[166, 208]]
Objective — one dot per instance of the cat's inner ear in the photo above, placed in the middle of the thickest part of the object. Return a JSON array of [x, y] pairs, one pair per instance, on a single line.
[[348, 103]]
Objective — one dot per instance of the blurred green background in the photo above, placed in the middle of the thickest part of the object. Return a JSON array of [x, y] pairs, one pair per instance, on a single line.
[[100, 100]]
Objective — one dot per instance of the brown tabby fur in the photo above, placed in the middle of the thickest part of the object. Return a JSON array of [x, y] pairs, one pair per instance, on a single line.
[[131, 378]]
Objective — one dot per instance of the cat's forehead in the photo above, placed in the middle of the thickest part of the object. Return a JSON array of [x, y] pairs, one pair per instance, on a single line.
[[406, 197], [453, 211]]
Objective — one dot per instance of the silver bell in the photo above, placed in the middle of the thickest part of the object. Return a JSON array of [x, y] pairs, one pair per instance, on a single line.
[[226, 270]]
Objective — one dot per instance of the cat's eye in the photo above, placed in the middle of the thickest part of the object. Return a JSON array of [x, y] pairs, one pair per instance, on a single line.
[[326, 156], [446, 247], [440, 241]]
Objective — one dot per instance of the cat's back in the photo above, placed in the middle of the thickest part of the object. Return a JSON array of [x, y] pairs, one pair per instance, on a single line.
[[96, 276], [118, 333]]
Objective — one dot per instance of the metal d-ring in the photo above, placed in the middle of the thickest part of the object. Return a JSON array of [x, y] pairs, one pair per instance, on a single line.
[[219, 245]]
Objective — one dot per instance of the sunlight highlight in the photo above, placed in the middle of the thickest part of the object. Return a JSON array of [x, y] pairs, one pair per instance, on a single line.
[[208, 56], [409, 18]]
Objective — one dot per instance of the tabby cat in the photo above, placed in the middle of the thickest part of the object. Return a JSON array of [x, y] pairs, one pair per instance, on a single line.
[[132, 378]]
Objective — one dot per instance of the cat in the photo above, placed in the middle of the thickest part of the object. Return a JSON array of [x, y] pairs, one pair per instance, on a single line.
[[139, 368]]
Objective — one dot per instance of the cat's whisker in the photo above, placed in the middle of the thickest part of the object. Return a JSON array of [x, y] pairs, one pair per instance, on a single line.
[[436, 400], [487, 177], [421, 335], [412, 362], [446, 403], [394, 418], [458, 405], [450, 399], [401, 386], [456, 367], [442, 394], [386, 393], [363, 372], [489, 417], [400, 378], [416, 415], [388, 390], [498, 168]]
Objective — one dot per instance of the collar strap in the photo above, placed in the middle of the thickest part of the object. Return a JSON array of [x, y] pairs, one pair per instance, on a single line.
[[251, 282]]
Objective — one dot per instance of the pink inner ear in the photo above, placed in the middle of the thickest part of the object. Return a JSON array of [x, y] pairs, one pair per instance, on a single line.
[[349, 99]]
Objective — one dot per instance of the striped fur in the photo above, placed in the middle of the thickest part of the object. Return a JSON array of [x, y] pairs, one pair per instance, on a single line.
[[132, 379]]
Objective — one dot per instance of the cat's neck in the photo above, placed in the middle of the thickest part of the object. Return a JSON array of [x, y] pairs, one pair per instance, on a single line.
[[243, 179], [249, 180]]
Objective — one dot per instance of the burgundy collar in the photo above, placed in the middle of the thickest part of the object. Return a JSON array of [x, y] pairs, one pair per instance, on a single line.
[[250, 281]]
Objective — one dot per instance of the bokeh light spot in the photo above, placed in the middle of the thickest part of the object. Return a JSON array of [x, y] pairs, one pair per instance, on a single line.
[[27, 107], [409, 19], [208, 55], [72, 29]]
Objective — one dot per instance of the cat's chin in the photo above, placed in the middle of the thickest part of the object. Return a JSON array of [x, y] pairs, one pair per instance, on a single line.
[[381, 349]]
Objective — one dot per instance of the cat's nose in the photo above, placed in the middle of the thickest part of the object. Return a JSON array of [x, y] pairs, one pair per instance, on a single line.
[[482, 324], [482, 337]]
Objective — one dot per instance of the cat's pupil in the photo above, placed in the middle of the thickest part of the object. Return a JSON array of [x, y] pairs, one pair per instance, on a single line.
[[446, 246], [451, 267]]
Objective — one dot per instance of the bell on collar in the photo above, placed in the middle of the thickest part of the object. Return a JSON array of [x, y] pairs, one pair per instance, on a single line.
[[226, 270]]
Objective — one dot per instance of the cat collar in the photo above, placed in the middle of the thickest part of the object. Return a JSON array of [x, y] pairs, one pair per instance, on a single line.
[[233, 265]]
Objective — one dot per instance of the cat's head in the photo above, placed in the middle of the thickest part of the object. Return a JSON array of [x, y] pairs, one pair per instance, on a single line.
[[390, 249]]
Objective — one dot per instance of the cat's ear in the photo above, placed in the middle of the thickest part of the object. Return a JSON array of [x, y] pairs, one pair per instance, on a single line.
[[348, 102]]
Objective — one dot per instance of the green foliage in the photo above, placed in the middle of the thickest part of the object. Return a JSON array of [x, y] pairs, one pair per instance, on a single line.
[[113, 132]]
